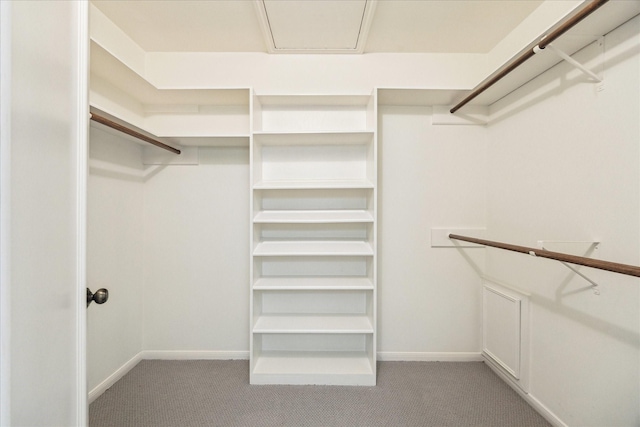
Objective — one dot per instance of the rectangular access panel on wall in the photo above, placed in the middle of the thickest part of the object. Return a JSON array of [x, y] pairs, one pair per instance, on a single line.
[[505, 332], [313, 240]]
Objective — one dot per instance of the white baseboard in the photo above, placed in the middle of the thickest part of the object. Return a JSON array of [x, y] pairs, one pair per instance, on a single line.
[[535, 403], [244, 355], [409, 356], [163, 355], [194, 355], [113, 378]]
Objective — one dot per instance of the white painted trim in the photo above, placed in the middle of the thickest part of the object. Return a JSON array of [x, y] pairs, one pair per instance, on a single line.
[[408, 356], [114, 378], [521, 375], [5, 211], [264, 25], [194, 355], [162, 355], [473, 115], [152, 155], [367, 19], [506, 375], [365, 25], [440, 237], [82, 159], [244, 355], [528, 397], [516, 319], [508, 287], [382, 356], [115, 41]]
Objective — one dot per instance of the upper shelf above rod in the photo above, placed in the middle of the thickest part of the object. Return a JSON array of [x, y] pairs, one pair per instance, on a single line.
[[543, 42], [117, 126]]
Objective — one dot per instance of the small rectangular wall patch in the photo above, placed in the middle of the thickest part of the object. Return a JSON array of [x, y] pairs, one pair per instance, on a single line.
[[471, 115], [157, 156], [440, 237]]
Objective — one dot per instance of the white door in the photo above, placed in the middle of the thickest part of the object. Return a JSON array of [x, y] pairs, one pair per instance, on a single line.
[[44, 47]]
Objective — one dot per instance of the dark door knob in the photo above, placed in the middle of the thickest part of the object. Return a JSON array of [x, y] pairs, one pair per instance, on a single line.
[[100, 297]]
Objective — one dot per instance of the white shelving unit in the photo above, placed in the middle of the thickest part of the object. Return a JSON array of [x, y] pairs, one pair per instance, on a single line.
[[313, 240]]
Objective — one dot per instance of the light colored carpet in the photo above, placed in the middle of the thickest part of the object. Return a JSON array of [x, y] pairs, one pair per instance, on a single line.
[[217, 393]]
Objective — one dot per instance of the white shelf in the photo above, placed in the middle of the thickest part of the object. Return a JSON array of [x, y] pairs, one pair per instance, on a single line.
[[307, 363], [314, 100], [215, 141], [322, 113], [312, 283], [312, 184], [313, 248], [314, 138], [313, 324], [419, 96], [312, 216]]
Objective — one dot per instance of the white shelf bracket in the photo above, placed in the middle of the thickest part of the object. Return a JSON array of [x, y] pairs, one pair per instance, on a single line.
[[570, 60], [594, 285]]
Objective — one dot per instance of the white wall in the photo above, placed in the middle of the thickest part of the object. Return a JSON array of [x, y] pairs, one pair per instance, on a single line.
[[430, 176], [564, 162], [197, 256], [171, 245], [196, 246], [115, 224], [313, 73], [195, 223]]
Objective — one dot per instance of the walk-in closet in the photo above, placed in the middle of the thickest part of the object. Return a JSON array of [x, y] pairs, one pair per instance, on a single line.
[[326, 213]]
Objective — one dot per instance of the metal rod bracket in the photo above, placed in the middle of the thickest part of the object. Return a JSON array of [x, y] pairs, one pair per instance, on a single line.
[[630, 270], [563, 55], [594, 285]]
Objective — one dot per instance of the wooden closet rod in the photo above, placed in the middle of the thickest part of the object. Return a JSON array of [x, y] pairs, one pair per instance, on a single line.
[[630, 270], [131, 132], [542, 43]]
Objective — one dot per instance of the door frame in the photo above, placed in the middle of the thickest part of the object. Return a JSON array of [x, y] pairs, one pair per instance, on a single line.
[[82, 177], [5, 187]]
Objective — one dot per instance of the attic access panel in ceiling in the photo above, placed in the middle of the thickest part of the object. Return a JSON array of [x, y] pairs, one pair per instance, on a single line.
[[327, 26]]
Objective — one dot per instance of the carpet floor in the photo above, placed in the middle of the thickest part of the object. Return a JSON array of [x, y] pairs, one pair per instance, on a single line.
[[217, 393]]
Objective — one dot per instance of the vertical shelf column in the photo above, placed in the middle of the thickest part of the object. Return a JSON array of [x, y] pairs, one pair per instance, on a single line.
[[313, 240]]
